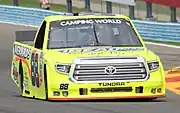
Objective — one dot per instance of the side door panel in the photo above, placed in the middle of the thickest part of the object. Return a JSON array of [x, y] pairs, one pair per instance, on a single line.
[[37, 64], [37, 73]]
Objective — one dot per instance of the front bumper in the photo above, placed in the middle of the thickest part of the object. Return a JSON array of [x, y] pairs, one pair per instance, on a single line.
[[104, 98], [61, 87], [95, 91]]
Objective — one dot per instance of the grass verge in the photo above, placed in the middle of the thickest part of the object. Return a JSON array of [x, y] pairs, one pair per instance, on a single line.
[[141, 6], [35, 4]]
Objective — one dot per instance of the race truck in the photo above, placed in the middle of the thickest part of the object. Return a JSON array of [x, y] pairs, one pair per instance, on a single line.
[[82, 57]]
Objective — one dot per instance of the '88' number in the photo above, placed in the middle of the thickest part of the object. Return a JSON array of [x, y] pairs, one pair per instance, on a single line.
[[64, 86]]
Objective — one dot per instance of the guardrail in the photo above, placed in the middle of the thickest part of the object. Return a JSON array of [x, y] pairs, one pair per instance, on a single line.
[[33, 16]]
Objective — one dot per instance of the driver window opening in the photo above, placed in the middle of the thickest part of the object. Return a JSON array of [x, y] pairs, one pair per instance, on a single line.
[[40, 37]]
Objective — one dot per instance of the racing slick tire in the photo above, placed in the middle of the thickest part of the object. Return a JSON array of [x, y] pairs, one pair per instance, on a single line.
[[21, 78], [146, 99], [151, 99]]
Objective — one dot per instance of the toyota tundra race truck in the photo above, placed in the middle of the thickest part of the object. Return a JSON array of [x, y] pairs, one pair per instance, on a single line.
[[82, 57]]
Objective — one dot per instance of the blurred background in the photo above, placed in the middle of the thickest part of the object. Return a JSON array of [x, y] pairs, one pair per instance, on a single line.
[[152, 10]]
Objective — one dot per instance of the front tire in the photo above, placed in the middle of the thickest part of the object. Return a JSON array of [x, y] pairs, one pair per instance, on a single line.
[[147, 99]]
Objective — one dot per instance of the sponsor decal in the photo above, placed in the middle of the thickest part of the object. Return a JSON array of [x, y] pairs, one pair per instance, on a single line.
[[113, 49], [36, 69], [22, 51], [112, 84], [37, 62], [17, 59], [90, 21], [15, 73], [41, 60], [25, 83]]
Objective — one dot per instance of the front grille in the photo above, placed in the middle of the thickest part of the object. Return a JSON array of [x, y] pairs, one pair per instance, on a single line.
[[98, 71]]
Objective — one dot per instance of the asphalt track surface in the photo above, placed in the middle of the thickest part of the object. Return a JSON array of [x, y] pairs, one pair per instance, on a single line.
[[12, 102]]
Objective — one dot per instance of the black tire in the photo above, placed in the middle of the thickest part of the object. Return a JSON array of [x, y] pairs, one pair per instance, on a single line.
[[147, 99], [45, 83], [151, 99], [21, 78]]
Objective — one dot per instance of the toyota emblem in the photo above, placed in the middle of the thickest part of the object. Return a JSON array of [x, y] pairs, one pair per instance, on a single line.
[[110, 70]]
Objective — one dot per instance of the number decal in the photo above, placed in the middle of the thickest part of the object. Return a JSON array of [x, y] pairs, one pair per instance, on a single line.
[[37, 68], [64, 86], [34, 69]]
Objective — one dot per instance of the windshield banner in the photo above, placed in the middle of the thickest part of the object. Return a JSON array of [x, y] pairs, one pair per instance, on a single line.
[[126, 2], [90, 21]]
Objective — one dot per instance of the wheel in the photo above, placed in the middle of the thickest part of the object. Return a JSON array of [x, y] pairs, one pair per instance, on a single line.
[[21, 77]]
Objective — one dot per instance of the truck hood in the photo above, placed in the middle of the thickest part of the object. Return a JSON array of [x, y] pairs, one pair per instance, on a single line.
[[67, 55]]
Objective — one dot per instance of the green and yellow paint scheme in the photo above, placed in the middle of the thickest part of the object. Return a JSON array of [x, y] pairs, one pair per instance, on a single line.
[[86, 72]]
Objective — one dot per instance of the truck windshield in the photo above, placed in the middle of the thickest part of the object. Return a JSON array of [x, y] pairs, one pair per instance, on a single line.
[[92, 32]]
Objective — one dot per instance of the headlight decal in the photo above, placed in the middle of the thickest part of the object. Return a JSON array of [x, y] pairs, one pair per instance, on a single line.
[[153, 66], [62, 68]]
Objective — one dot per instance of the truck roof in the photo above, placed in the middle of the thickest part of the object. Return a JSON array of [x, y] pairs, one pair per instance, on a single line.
[[81, 16]]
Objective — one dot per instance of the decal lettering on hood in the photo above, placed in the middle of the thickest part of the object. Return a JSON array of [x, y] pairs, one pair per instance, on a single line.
[[113, 49]]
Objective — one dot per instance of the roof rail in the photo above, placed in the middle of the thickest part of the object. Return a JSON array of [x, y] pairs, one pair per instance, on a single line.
[[103, 14], [86, 14]]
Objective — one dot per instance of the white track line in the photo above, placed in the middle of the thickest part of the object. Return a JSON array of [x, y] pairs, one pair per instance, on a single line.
[[165, 45], [151, 43]]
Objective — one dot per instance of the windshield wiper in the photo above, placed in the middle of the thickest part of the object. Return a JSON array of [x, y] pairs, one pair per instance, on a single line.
[[94, 30]]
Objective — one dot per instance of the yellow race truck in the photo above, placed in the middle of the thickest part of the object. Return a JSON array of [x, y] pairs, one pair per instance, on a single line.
[[82, 57]]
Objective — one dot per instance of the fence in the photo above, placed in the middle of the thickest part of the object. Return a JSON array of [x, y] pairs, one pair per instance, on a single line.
[[32, 16], [141, 10]]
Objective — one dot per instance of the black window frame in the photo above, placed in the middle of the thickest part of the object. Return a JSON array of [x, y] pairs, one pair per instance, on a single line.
[[40, 36]]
